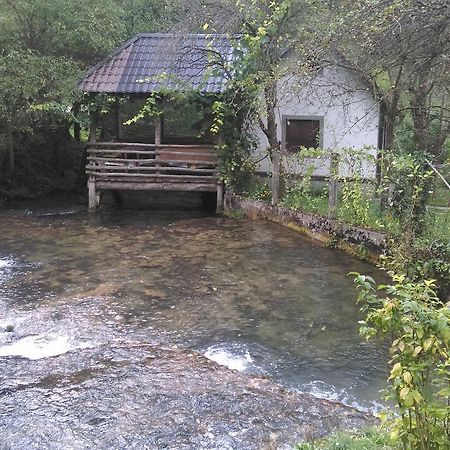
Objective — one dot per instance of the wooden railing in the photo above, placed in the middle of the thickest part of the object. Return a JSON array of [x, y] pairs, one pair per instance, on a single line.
[[131, 161]]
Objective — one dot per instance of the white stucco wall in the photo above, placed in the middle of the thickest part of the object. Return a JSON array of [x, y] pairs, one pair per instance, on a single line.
[[349, 114]]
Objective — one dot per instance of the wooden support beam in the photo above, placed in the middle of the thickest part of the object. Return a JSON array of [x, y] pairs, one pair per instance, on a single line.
[[158, 137], [158, 129], [220, 194], [93, 195], [117, 119]]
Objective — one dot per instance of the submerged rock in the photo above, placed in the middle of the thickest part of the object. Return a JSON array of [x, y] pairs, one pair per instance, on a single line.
[[139, 396]]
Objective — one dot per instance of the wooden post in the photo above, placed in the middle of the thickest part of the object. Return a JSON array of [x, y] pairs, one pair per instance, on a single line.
[[220, 194], [158, 129], [158, 137], [333, 185], [94, 197], [117, 119], [93, 126], [275, 177], [10, 144]]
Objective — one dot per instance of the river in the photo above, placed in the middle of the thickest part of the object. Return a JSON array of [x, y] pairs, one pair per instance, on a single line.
[[91, 303]]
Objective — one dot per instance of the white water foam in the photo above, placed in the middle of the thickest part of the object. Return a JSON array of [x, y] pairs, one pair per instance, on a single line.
[[322, 390], [5, 263], [228, 359], [41, 346]]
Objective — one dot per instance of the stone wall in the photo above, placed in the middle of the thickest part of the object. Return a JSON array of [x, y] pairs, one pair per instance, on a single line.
[[361, 242]]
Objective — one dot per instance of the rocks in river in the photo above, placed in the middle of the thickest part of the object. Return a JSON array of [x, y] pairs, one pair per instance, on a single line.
[[102, 290], [156, 293], [9, 328], [141, 396]]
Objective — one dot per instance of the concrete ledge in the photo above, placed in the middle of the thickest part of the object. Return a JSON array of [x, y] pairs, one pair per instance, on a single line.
[[361, 242]]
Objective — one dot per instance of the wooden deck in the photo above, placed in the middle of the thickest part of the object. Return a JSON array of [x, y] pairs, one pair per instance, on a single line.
[[162, 167]]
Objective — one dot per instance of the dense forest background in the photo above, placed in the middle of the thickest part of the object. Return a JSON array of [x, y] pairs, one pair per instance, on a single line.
[[45, 47], [400, 47]]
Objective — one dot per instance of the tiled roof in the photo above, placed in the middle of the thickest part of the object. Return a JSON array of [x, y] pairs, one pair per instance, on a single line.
[[161, 61]]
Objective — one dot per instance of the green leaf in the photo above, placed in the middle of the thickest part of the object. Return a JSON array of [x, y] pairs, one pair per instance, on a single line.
[[404, 392], [407, 377]]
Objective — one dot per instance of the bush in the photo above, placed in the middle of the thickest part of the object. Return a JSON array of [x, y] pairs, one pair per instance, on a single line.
[[419, 324]]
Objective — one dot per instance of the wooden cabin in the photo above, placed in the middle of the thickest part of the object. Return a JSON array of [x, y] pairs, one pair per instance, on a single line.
[[152, 158]]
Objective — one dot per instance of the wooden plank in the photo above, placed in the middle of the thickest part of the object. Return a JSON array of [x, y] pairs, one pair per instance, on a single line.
[[124, 144], [161, 186], [103, 168], [122, 151], [152, 160], [155, 176], [150, 152], [114, 160], [164, 146], [165, 153], [181, 146]]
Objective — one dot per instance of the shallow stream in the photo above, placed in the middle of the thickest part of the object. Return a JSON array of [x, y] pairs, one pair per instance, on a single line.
[[82, 294]]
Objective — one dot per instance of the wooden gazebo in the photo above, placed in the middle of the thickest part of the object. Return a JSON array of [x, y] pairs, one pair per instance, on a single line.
[[156, 64]]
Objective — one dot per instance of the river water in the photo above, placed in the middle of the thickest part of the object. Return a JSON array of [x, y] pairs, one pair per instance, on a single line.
[[87, 298]]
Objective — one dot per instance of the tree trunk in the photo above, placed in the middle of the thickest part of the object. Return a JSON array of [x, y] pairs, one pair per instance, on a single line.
[[10, 145], [270, 93], [76, 124], [93, 126]]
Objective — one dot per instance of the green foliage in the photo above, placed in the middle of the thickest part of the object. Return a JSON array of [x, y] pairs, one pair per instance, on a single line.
[[258, 190], [299, 193], [419, 324], [355, 205], [372, 439], [423, 258], [409, 178], [28, 80], [309, 200], [151, 108], [45, 46]]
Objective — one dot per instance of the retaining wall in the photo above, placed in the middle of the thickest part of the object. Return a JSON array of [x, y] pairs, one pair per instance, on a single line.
[[361, 242]]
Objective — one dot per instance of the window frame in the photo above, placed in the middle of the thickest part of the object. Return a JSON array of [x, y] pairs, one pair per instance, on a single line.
[[285, 119]]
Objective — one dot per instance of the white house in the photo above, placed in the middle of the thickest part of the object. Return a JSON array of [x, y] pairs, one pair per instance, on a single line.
[[335, 110]]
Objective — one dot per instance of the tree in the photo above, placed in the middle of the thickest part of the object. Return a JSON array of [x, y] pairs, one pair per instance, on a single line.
[[402, 49], [275, 39]]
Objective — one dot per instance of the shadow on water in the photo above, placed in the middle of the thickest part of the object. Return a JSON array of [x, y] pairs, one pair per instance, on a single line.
[[252, 296]]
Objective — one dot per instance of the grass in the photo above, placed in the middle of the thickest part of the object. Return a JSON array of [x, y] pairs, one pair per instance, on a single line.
[[371, 439]]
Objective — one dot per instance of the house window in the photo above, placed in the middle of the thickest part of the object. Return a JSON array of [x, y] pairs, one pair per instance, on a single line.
[[302, 133]]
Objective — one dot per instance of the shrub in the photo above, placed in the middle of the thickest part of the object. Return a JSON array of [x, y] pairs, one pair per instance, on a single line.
[[419, 324]]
